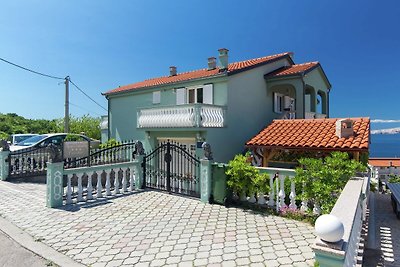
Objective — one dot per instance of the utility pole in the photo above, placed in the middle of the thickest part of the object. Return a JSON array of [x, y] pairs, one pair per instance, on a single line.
[[66, 114]]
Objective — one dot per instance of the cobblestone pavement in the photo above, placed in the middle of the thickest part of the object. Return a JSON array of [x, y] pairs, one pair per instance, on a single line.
[[387, 235], [156, 229]]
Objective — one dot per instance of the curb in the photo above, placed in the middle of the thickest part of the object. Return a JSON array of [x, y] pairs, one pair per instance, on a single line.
[[39, 248]]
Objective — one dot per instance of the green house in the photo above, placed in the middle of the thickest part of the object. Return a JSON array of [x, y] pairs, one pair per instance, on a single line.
[[223, 104]]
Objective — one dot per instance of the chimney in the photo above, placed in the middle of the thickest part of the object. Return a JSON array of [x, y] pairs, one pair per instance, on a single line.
[[212, 63], [223, 58], [172, 71], [344, 128]]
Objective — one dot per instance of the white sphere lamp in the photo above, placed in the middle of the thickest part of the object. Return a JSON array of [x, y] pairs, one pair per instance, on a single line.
[[329, 228]]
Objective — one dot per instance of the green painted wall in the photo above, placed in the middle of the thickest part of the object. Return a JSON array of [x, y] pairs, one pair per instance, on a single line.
[[246, 95]]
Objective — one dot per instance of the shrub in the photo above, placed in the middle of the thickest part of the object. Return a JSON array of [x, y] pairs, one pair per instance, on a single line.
[[323, 179], [241, 174], [110, 143]]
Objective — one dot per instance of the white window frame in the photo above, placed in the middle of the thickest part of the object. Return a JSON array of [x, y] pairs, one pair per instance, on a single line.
[[195, 89], [156, 97], [278, 102]]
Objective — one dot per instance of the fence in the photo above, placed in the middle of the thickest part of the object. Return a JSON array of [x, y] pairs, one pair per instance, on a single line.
[[350, 210]]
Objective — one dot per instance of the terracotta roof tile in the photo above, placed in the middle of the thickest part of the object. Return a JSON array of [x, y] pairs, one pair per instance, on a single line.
[[312, 133], [196, 74], [384, 162], [293, 70]]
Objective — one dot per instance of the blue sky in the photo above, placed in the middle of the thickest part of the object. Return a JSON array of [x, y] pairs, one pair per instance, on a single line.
[[104, 44]]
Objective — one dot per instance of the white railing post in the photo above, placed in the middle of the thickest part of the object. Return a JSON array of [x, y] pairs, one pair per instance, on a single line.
[[271, 201], [282, 193], [116, 182], [99, 186], [292, 195], [80, 188], [89, 188], [132, 178], [69, 189], [124, 180], [108, 183]]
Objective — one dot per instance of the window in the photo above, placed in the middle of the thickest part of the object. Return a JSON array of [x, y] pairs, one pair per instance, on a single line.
[[156, 97], [278, 103], [196, 94], [283, 103]]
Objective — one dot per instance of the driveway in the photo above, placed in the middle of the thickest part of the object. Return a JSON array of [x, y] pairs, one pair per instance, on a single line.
[[151, 228], [384, 243]]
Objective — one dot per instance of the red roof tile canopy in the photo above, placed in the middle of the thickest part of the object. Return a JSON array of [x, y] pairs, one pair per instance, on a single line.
[[318, 134], [384, 162], [294, 69], [202, 73]]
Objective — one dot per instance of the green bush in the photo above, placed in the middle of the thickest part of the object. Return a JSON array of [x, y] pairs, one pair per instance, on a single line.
[[241, 174], [110, 143], [322, 180], [394, 178]]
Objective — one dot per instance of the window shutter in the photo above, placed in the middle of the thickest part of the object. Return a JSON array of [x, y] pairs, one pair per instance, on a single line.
[[156, 97], [180, 96], [208, 94]]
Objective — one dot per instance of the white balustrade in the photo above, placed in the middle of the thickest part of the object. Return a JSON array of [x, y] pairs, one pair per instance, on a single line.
[[116, 182], [69, 189], [292, 195], [281, 193], [124, 181], [99, 186], [108, 183], [304, 205], [181, 116], [316, 209], [271, 201], [89, 195], [80, 188], [132, 179]]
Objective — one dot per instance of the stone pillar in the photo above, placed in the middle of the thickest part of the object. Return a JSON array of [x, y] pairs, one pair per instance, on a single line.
[[205, 180], [4, 165], [55, 188], [137, 167]]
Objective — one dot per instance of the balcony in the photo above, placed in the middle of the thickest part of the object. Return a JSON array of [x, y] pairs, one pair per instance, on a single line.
[[313, 115], [185, 116]]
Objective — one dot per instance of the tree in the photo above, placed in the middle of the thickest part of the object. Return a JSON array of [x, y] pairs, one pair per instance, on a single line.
[[322, 180]]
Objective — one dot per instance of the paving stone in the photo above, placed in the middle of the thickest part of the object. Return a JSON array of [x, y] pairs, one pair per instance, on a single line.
[[157, 229]]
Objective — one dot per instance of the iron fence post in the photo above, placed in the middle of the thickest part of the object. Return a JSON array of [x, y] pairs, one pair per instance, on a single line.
[[168, 161]]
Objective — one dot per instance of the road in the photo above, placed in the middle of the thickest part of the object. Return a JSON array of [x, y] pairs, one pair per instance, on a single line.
[[13, 254]]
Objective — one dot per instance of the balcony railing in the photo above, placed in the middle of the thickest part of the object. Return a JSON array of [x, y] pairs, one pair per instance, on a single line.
[[192, 115], [314, 115]]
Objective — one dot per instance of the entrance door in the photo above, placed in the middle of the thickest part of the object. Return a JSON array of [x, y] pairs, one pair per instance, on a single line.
[[172, 167]]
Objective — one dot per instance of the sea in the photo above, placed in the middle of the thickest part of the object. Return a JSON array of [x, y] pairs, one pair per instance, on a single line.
[[385, 146]]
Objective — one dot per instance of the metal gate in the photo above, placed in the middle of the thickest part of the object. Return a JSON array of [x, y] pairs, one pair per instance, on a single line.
[[173, 168], [28, 162]]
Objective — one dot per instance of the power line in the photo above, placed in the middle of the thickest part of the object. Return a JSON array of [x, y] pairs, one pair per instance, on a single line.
[[77, 106], [94, 101], [36, 72]]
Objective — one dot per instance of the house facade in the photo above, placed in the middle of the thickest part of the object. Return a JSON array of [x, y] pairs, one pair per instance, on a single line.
[[222, 104]]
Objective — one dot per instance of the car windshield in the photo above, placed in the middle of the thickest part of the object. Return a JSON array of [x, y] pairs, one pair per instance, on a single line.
[[20, 138], [32, 140]]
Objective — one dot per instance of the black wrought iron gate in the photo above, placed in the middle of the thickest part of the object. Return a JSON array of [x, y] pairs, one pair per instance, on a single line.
[[173, 168]]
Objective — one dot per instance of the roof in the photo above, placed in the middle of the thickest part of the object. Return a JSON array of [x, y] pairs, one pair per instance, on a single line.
[[233, 68], [384, 162], [297, 69], [319, 134]]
